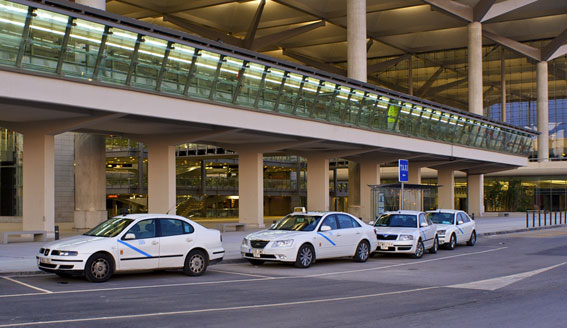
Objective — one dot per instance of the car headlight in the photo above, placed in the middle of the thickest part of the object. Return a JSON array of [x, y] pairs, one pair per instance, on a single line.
[[405, 237], [441, 232], [283, 243], [244, 242], [65, 253]]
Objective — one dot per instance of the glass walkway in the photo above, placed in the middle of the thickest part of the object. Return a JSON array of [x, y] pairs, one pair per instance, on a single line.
[[54, 39]]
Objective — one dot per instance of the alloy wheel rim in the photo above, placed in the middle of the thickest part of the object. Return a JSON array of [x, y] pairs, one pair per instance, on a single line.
[[306, 256], [419, 251], [197, 263], [363, 251], [99, 269]]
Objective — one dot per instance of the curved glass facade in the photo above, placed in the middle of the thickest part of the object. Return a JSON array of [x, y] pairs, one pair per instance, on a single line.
[[53, 41]]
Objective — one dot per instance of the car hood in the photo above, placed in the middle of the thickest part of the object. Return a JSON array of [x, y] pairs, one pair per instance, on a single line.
[[72, 243], [444, 226], [275, 234], [394, 230]]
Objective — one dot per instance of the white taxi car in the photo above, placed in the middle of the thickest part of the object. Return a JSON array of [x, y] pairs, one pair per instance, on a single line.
[[409, 232], [302, 237], [453, 227], [134, 242]]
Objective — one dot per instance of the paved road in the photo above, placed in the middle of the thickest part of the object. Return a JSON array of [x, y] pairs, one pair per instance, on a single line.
[[516, 280]]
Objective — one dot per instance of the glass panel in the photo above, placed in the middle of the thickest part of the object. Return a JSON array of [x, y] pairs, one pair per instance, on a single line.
[[254, 77], [308, 97], [228, 79], [289, 93], [149, 61], [12, 20], [324, 100], [82, 49], [269, 94], [46, 37], [118, 53], [177, 69], [201, 82], [351, 115]]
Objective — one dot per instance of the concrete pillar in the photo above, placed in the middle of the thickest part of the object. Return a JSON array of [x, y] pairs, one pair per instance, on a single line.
[[251, 188], [356, 39], [161, 178], [475, 193], [90, 180], [39, 182], [446, 195], [356, 68], [317, 183], [475, 68], [369, 175], [414, 174], [98, 4], [503, 117], [542, 113]]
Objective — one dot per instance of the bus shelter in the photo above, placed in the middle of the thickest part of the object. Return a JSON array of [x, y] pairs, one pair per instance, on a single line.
[[417, 197]]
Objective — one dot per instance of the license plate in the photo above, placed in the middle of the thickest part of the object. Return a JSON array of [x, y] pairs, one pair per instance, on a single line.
[[385, 245], [257, 252]]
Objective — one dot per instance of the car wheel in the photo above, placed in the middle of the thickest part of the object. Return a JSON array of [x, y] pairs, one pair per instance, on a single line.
[[435, 246], [419, 250], [362, 252], [472, 239], [452, 242], [195, 263], [99, 267], [256, 262], [305, 256]]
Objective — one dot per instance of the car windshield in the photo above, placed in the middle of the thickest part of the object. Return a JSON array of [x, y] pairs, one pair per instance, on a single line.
[[397, 220], [442, 218], [297, 223], [109, 228]]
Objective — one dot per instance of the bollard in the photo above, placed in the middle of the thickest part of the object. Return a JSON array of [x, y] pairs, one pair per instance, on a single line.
[[555, 217], [533, 219], [539, 218], [527, 219], [56, 232]]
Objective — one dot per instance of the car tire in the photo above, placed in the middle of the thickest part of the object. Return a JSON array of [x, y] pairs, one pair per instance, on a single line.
[[99, 267], [419, 250], [435, 247], [452, 243], [362, 252], [196, 263], [472, 239], [305, 256], [256, 262]]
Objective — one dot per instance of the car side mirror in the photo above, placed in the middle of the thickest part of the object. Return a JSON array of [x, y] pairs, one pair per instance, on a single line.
[[129, 236], [424, 224], [371, 222], [325, 228], [460, 222]]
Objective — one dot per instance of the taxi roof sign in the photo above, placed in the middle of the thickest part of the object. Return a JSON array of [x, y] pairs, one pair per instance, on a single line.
[[299, 209]]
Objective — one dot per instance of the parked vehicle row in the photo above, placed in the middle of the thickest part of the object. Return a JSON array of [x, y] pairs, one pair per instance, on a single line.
[[302, 237], [156, 242]]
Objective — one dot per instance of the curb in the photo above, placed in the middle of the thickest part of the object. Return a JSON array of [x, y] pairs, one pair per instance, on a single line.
[[241, 260]]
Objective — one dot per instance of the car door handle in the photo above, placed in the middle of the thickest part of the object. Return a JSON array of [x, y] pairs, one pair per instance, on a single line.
[[155, 242], [188, 240]]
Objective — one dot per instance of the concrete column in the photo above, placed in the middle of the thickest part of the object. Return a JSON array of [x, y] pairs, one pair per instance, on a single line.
[[98, 4], [39, 182], [475, 68], [161, 178], [317, 183], [369, 175], [356, 68], [475, 193], [542, 113], [414, 174], [356, 39], [503, 117], [251, 188], [90, 180], [446, 182]]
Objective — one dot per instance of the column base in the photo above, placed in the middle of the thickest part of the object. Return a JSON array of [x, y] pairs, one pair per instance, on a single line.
[[89, 219], [355, 210]]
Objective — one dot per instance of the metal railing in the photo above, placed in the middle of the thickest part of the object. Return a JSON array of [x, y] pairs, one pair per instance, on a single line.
[[64, 40], [542, 218]]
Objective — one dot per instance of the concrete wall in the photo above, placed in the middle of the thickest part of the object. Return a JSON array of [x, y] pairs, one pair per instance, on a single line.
[[64, 177]]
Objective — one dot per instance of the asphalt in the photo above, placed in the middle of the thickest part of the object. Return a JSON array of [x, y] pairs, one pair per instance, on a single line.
[[18, 256]]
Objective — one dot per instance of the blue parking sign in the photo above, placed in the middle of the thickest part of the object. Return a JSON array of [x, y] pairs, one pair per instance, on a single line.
[[403, 170]]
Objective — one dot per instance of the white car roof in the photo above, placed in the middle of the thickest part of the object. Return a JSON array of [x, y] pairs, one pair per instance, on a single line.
[[444, 211], [148, 216], [409, 212]]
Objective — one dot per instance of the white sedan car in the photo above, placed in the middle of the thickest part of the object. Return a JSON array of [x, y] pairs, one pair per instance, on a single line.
[[453, 227], [134, 242], [302, 237], [409, 232]]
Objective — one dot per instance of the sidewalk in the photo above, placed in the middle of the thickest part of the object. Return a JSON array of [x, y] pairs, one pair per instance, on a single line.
[[18, 257]]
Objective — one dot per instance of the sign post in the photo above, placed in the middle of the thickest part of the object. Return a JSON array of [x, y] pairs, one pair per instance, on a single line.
[[403, 176]]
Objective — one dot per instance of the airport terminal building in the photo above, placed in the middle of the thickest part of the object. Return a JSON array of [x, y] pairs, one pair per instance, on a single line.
[[246, 109]]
